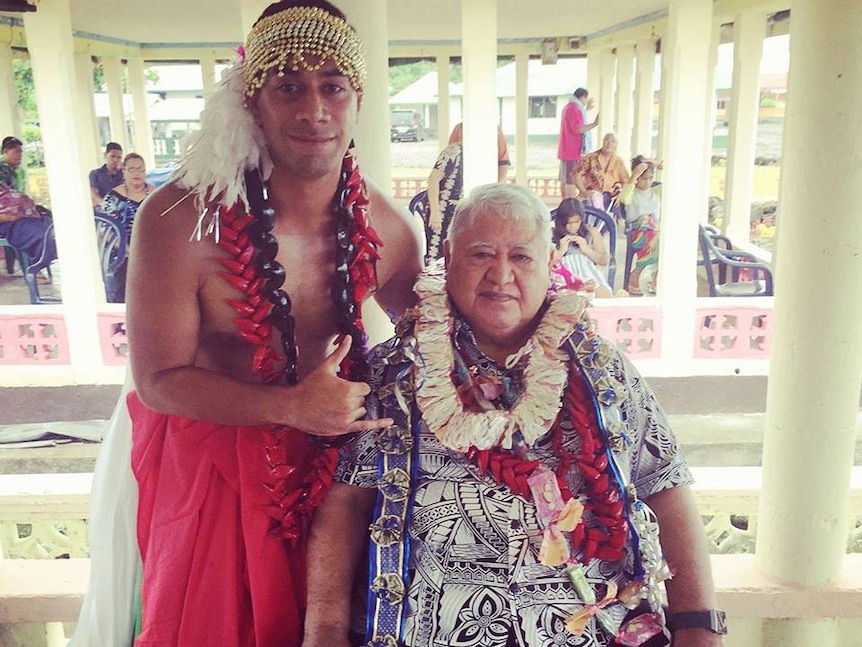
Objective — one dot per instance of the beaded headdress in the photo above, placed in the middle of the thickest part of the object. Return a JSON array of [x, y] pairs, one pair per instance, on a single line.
[[289, 37], [229, 142]]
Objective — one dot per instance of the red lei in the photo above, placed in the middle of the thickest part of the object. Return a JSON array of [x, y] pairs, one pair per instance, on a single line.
[[291, 508], [603, 530]]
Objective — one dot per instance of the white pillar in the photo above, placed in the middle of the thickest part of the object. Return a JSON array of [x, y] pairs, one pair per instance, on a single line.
[[114, 86], [685, 53], [88, 134], [749, 30], [373, 151], [143, 132], [644, 97], [479, 47], [208, 74], [816, 359], [522, 62], [594, 74], [9, 122], [444, 100], [625, 96], [49, 40], [709, 125], [607, 97]]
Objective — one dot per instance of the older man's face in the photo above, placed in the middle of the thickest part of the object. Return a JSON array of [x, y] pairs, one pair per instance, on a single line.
[[497, 274]]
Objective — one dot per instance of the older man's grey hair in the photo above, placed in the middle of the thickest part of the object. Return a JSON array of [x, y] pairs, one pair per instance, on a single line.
[[508, 202]]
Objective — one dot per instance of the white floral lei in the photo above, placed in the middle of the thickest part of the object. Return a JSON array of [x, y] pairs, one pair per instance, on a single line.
[[544, 378]]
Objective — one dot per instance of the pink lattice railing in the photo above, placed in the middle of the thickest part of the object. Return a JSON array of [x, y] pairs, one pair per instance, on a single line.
[[34, 339], [636, 330], [733, 333], [724, 332], [112, 338]]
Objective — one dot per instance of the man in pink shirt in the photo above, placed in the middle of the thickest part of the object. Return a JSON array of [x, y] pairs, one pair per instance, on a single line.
[[571, 146]]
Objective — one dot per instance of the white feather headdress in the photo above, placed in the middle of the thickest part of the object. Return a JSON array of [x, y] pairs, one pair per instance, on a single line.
[[228, 144]]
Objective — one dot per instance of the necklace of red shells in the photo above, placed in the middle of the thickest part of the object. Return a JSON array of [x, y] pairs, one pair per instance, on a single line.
[[253, 269], [603, 529]]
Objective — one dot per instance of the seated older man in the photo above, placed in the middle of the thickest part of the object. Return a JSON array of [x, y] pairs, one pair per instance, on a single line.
[[520, 492]]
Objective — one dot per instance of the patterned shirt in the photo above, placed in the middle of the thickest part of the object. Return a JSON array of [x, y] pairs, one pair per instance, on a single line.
[[475, 574]]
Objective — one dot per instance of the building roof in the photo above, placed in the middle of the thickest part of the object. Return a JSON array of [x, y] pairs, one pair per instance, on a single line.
[[560, 79]]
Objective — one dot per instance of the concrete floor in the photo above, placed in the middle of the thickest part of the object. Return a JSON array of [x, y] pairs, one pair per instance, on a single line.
[[13, 289]]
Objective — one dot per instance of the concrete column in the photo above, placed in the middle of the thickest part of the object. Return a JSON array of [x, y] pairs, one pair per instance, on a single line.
[[607, 97], [114, 86], [685, 53], [143, 132], [370, 18], [208, 74], [594, 74], [749, 30], [49, 40], [644, 96], [9, 122], [89, 131], [479, 47], [816, 362], [444, 100], [522, 115], [625, 99], [711, 110]]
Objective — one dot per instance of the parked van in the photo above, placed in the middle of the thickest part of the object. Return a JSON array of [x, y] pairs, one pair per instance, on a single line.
[[406, 125]]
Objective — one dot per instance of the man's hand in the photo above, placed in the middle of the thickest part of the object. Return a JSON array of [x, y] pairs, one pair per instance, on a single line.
[[329, 405], [697, 638]]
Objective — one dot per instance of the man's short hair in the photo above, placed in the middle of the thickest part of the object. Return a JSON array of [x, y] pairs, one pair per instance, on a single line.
[[580, 93], [10, 143], [113, 146], [508, 202]]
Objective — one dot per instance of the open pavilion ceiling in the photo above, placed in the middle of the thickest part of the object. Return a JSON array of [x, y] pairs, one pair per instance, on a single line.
[[217, 22]]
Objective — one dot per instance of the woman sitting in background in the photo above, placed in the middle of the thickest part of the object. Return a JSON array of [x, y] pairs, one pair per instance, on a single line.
[[121, 204], [124, 199], [643, 212], [580, 248]]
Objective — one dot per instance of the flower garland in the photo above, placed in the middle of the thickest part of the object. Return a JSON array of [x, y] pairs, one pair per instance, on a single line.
[[254, 270], [544, 377], [549, 379]]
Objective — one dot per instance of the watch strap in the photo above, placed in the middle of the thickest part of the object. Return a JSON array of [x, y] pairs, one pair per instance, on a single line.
[[711, 619]]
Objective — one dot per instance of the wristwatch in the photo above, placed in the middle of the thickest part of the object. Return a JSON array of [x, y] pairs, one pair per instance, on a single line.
[[711, 619]]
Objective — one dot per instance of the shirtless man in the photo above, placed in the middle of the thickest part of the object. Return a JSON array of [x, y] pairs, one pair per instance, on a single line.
[[237, 375]]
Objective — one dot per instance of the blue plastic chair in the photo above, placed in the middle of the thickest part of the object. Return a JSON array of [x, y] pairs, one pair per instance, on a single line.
[[112, 245]]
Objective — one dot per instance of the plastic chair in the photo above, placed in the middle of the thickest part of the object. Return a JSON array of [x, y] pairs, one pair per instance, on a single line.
[[761, 283], [25, 262], [112, 246], [419, 206]]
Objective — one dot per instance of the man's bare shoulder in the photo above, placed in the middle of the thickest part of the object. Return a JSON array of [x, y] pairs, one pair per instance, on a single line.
[[390, 219], [403, 240]]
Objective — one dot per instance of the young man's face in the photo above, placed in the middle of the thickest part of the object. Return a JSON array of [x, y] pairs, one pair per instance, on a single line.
[[308, 118], [114, 160], [13, 156]]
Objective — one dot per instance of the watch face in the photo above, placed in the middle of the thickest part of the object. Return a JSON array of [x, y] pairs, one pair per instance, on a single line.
[[719, 621]]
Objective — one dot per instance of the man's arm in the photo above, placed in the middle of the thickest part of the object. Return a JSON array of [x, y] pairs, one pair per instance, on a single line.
[[684, 543], [167, 277], [401, 255], [333, 555], [95, 196], [584, 127]]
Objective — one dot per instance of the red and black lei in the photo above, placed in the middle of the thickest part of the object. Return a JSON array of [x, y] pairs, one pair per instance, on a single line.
[[254, 270]]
